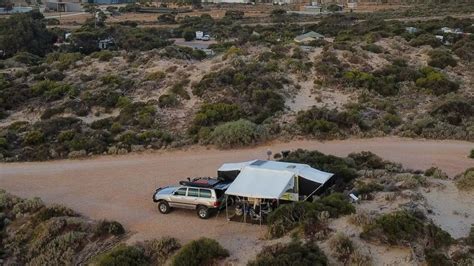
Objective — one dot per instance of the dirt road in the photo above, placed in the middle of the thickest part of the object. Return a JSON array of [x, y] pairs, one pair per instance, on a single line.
[[120, 187]]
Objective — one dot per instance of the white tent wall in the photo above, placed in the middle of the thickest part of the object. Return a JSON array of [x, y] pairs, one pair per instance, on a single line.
[[261, 183]]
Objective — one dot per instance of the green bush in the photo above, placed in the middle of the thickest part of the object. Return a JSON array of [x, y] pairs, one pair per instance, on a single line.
[[105, 227], [210, 115], [336, 204], [33, 138], [63, 60], [123, 255], [289, 216], [403, 228], [441, 58], [465, 181], [471, 155], [373, 48], [188, 35], [204, 251], [293, 253], [159, 250], [51, 89], [341, 247], [425, 39], [436, 82], [103, 55], [167, 100], [395, 228], [237, 133]]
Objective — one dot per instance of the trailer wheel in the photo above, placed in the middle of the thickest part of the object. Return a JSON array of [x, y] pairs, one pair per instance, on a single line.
[[203, 212], [164, 207]]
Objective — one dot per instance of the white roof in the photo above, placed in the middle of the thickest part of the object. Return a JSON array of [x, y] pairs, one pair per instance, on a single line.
[[269, 179], [261, 183], [234, 166], [303, 170]]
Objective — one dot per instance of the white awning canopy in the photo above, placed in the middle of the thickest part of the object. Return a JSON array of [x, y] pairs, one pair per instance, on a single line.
[[261, 183], [269, 179]]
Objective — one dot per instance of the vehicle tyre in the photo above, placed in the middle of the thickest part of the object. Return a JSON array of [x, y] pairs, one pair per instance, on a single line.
[[164, 207], [203, 212]]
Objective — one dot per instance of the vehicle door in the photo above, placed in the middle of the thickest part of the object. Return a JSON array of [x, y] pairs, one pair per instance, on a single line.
[[178, 199], [205, 197], [193, 197]]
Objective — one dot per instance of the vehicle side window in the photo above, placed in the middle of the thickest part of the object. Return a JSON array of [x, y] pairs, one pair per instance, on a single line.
[[181, 192], [205, 193], [193, 192]]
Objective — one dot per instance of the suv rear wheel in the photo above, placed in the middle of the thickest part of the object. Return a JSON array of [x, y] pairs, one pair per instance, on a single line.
[[203, 212], [164, 207]]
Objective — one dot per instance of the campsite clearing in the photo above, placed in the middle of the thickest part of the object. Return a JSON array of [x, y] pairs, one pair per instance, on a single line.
[[119, 187]]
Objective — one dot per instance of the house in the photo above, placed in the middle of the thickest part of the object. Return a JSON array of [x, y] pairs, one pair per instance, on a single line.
[[108, 2], [308, 37], [411, 30], [64, 5], [453, 31], [106, 43]]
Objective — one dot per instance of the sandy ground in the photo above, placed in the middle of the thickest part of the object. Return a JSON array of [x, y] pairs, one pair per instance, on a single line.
[[121, 187]]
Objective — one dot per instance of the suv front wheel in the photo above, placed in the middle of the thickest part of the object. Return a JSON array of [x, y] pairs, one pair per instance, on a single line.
[[203, 212], [164, 207]]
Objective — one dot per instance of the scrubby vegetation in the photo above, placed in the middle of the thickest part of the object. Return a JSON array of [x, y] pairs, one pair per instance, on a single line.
[[293, 253], [33, 233], [465, 181], [150, 252], [74, 99], [203, 251], [307, 215], [403, 228]]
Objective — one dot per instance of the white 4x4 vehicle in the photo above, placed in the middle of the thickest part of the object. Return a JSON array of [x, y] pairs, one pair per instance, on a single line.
[[203, 198]]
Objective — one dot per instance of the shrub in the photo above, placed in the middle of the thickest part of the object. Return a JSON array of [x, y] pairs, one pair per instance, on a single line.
[[212, 114], [336, 204], [289, 216], [158, 250], [63, 60], [155, 76], [341, 247], [367, 160], [237, 133], [51, 89], [33, 138], [204, 251], [293, 253], [395, 228], [123, 255], [435, 172], [373, 48], [103, 55], [436, 82], [471, 155], [105, 227], [465, 181], [188, 35], [167, 100], [402, 228], [425, 39], [54, 211], [441, 58], [361, 218]]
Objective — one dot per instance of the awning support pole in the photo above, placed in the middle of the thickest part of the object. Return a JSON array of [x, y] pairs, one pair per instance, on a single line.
[[226, 210], [312, 193]]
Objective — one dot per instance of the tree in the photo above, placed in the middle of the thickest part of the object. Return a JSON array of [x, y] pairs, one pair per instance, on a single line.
[[25, 32], [188, 35]]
